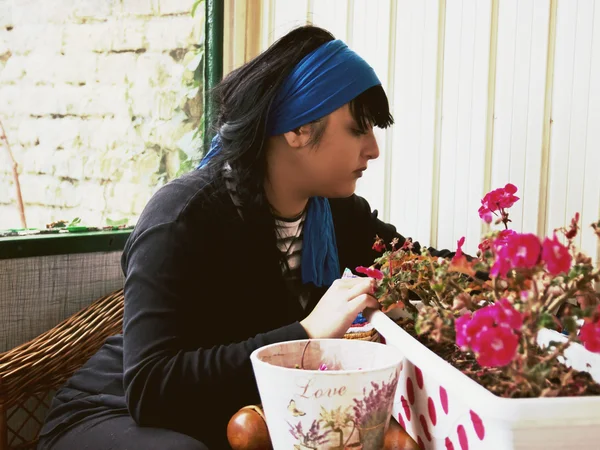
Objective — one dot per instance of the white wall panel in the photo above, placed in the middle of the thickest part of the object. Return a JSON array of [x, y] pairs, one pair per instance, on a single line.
[[574, 142], [413, 106], [490, 124], [462, 152], [375, 49], [519, 106]]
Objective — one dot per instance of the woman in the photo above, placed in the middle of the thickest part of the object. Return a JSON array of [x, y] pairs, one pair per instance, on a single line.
[[241, 253]]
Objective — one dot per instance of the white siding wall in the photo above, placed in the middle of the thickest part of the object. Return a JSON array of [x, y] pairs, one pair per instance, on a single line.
[[484, 92]]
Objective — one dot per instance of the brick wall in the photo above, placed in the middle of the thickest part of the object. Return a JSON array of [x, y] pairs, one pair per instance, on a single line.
[[90, 99]]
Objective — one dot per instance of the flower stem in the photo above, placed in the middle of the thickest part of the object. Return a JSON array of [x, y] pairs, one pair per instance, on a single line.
[[407, 304], [455, 285], [560, 348], [496, 292]]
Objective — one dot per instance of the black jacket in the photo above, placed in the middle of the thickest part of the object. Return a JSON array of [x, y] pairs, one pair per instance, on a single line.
[[203, 290]]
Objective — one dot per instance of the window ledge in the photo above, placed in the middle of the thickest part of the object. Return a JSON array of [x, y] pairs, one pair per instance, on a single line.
[[62, 243]]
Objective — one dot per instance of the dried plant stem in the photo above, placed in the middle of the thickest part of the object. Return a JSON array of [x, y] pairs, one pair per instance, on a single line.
[[525, 358], [556, 302], [560, 348], [407, 304], [496, 291], [570, 292], [536, 290], [455, 286], [15, 171], [438, 300]]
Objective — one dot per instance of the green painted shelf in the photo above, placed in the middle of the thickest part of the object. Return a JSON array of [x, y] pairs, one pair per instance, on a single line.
[[30, 243]]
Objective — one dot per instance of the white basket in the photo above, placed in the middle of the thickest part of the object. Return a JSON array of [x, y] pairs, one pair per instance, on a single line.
[[442, 408]]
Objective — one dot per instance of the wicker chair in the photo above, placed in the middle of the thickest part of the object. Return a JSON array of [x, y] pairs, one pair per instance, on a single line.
[[31, 372]]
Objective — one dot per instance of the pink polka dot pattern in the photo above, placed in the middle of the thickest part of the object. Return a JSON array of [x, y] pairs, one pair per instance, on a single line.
[[444, 399], [425, 427], [432, 412], [401, 421], [419, 377], [406, 407], [420, 443], [449, 444], [478, 425], [410, 391], [462, 438]]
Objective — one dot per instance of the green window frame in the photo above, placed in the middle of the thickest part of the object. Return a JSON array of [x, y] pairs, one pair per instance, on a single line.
[[82, 240]]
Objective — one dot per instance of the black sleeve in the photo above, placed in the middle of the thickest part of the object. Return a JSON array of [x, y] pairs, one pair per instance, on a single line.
[[165, 380]]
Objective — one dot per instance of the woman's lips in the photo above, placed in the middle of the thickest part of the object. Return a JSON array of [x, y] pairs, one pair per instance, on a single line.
[[359, 172]]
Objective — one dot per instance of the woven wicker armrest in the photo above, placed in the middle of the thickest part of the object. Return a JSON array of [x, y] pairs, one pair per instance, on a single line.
[[41, 365]]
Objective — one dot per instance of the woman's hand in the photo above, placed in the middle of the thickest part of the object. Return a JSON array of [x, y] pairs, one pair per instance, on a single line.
[[338, 308]]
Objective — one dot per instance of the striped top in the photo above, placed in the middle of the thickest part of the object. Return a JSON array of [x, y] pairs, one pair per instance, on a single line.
[[289, 242]]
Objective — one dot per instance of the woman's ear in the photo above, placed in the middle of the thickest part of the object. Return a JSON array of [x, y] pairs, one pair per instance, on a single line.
[[298, 138]]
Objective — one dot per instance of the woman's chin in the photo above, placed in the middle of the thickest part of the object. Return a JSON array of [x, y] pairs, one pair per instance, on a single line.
[[342, 191]]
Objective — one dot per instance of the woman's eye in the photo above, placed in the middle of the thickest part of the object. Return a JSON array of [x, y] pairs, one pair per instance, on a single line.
[[358, 132]]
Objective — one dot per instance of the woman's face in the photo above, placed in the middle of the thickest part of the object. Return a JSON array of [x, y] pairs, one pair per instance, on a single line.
[[332, 167]]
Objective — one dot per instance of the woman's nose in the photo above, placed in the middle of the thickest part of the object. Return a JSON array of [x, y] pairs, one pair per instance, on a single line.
[[371, 147]]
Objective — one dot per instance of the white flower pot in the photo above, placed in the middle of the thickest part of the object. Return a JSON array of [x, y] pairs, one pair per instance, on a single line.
[[444, 409], [294, 399]]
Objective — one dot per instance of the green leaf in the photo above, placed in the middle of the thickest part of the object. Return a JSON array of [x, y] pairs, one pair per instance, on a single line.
[[77, 229], [570, 324], [116, 223], [547, 321], [197, 3], [76, 221]]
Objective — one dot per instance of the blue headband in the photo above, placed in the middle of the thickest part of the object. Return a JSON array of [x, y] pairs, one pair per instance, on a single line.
[[325, 80]]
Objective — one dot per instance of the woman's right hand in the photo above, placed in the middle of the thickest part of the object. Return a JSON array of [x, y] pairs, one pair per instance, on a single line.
[[338, 308]]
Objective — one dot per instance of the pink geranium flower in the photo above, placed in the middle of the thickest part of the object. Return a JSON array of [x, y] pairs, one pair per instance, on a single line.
[[459, 253], [497, 200], [502, 238], [485, 245], [495, 346], [523, 250], [556, 256], [379, 245], [485, 214], [467, 326], [501, 265], [491, 332], [520, 251], [460, 325], [506, 314], [590, 333], [372, 273], [590, 336]]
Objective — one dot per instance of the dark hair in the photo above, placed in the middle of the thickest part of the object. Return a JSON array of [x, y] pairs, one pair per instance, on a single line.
[[244, 98]]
